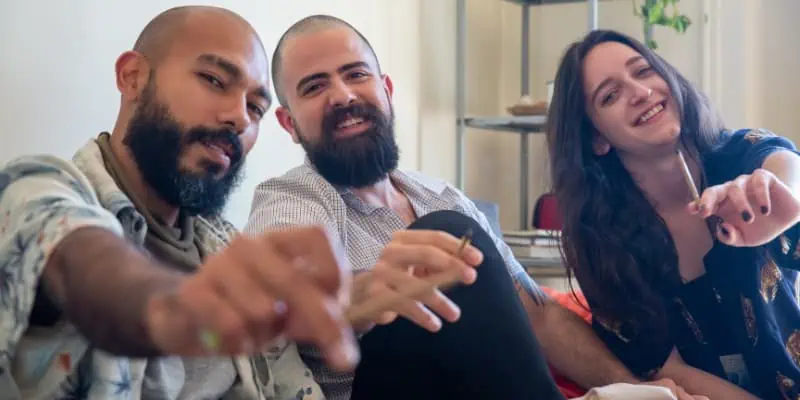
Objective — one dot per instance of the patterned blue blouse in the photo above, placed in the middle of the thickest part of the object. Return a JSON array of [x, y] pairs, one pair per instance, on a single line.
[[741, 320]]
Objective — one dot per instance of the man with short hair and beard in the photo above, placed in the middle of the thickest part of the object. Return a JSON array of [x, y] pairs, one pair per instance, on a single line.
[[336, 102], [117, 269]]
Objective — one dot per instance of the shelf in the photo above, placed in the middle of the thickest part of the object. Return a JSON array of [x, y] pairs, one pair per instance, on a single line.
[[533, 123]]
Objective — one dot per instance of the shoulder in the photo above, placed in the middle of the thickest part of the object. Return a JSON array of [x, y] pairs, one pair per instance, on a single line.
[[37, 175], [299, 196], [746, 138], [745, 150], [300, 183]]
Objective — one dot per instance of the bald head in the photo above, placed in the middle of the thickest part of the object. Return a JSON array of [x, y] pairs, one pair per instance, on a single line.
[[172, 25], [308, 25]]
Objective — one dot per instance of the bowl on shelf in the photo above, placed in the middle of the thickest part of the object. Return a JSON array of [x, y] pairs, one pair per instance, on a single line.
[[526, 108]]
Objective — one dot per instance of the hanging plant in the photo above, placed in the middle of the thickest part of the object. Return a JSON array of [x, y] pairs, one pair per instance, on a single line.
[[660, 12]]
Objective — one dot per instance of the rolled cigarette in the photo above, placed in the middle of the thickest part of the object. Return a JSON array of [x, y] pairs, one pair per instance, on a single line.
[[687, 176]]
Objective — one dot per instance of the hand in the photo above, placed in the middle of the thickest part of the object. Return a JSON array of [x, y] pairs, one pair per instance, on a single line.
[[242, 298], [755, 208], [676, 390], [413, 255]]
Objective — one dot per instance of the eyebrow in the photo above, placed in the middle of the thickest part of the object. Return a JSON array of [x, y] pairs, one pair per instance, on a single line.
[[322, 75], [234, 71], [606, 81]]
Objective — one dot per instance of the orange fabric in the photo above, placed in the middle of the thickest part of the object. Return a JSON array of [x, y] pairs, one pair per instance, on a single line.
[[568, 388], [568, 301]]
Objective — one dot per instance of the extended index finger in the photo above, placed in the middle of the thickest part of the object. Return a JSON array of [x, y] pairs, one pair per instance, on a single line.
[[316, 251], [711, 199], [440, 239]]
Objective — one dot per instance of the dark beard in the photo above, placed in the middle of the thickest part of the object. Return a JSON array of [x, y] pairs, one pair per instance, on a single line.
[[157, 142], [357, 161]]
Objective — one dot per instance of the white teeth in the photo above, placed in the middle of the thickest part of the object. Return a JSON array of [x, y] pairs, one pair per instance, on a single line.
[[650, 114], [350, 122]]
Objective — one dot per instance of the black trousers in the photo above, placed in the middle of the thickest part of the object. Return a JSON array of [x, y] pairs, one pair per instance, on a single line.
[[489, 353]]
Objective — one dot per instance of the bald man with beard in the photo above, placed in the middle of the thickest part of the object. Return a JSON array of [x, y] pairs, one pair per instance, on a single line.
[[121, 280]]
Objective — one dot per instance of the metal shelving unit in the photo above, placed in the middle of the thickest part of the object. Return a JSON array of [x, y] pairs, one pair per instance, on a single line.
[[523, 125]]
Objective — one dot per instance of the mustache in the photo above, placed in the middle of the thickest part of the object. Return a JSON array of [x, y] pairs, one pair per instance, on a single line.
[[367, 112], [223, 138]]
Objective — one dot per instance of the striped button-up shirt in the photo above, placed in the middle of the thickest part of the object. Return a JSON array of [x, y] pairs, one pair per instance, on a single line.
[[302, 196]]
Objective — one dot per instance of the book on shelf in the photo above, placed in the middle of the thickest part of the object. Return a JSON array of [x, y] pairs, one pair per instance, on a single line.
[[535, 243]]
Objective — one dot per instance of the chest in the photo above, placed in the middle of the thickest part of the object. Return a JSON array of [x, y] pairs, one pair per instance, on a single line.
[[693, 241], [365, 234]]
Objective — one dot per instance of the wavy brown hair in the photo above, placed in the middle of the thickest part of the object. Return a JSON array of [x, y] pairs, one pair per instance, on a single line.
[[614, 243]]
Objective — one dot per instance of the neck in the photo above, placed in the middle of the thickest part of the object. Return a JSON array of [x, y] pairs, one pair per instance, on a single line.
[[158, 208], [662, 180], [381, 194]]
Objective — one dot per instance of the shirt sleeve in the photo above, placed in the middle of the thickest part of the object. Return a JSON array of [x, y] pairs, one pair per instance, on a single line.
[[42, 200], [750, 148], [518, 274]]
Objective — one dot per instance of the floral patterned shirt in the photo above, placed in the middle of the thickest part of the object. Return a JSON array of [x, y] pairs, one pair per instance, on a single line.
[[42, 200]]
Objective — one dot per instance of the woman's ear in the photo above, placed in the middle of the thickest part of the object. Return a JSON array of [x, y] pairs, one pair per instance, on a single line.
[[601, 145]]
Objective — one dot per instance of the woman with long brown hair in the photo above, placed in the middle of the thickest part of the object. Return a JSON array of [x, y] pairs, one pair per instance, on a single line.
[[699, 291]]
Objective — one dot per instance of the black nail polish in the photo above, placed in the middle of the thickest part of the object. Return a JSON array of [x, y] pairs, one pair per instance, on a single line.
[[764, 210], [746, 216]]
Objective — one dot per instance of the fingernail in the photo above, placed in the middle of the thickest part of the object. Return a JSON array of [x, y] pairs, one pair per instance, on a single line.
[[280, 307], [764, 210], [746, 216], [437, 324], [475, 255], [346, 355], [469, 274]]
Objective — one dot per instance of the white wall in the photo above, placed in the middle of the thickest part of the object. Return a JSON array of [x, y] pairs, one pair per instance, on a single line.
[[755, 74], [57, 74]]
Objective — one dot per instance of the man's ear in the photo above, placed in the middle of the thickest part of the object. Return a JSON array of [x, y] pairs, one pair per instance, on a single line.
[[133, 73], [388, 85], [601, 145], [287, 122]]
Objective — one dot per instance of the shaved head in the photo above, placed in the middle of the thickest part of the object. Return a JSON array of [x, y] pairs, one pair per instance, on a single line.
[[307, 25], [195, 88], [161, 33]]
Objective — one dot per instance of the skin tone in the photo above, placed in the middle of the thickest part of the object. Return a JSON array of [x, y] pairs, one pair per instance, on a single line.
[[621, 94], [331, 67], [214, 74]]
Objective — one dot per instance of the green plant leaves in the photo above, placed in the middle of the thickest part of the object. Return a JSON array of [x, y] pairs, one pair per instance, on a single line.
[[655, 12]]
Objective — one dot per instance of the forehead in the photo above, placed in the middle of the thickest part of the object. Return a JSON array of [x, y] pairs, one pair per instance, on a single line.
[[226, 40], [322, 51], [606, 60]]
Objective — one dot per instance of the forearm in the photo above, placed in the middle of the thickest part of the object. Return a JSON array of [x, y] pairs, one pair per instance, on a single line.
[[698, 382], [102, 284], [785, 165], [572, 348]]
